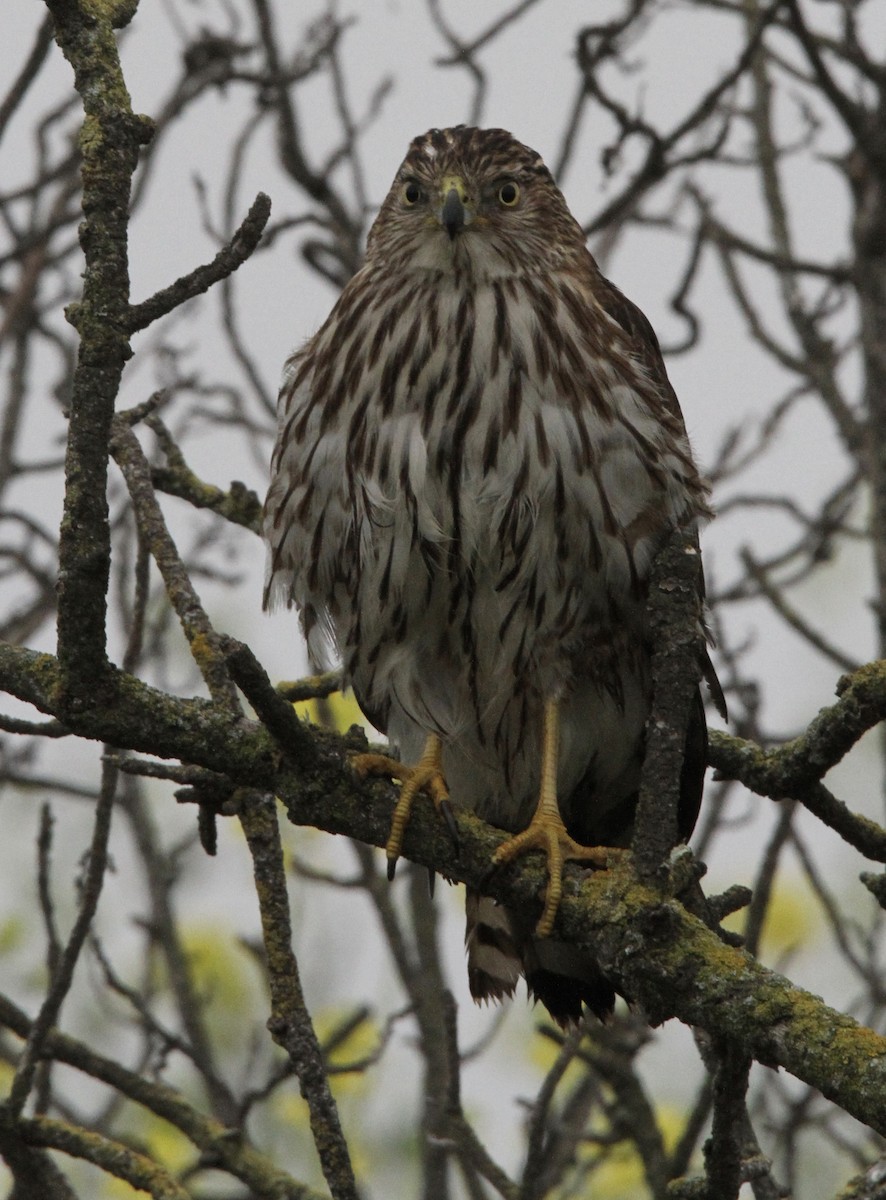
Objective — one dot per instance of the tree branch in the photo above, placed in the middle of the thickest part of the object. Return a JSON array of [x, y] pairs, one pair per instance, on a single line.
[[290, 1023], [795, 769], [663, 957], [674, 608], [203, 640], [106, 1153], [64, 973], [233, 1154], [109, 142], [201, 279]]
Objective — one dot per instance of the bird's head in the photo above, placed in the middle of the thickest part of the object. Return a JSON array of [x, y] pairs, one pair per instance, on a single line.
[[474, 200]]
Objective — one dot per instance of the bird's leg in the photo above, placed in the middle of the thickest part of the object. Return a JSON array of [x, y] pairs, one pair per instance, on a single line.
[[426, 776], [546, 830]]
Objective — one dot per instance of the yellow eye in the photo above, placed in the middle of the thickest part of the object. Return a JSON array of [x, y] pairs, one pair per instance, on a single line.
[[411, 192], [509, 194]]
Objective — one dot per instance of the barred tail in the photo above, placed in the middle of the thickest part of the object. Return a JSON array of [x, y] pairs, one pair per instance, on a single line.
[[495, 961], [501, 949]]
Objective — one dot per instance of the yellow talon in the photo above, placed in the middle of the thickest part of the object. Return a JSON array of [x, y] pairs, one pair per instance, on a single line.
[[545, 833], [426, 776], [546, 830]]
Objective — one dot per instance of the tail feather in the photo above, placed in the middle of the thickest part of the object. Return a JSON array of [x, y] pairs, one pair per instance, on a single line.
[[563, 977], [495, 961], [501, 949]]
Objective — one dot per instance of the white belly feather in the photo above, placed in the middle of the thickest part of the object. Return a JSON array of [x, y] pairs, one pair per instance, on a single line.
[[502, 547]]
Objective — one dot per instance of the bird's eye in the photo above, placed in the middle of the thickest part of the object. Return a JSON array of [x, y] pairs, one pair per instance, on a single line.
[[509, 194], [411, 192]]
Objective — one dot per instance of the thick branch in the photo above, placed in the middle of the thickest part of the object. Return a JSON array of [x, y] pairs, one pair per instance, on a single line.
[[675, 622], [109, 141], [105, 1153], [663, 957], [35, 1175]]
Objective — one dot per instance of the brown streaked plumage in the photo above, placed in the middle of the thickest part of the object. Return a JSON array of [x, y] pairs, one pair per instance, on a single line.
[[478, 455]]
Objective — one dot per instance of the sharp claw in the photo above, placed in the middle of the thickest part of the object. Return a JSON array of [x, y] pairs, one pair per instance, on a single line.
[[446, 812], [425, 776]]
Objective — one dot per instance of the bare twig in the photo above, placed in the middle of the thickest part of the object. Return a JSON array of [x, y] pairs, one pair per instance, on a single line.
[[201, 279], [203, 639], [289, 1023], [67, 960]]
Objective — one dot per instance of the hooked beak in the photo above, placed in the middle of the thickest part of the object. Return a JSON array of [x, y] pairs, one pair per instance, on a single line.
[[454, 215]]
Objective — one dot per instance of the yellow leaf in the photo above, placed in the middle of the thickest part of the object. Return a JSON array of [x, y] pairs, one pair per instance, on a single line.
[[340, 711], [792, 919]]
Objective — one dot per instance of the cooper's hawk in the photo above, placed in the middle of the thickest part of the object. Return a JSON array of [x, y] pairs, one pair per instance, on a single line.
[[478, 455]]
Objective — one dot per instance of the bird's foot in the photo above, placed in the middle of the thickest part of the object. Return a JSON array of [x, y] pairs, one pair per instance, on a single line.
[[547, 832], [426, 776]]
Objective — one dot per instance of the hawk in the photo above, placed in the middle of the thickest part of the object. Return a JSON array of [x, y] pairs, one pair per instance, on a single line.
[[478, 455]]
